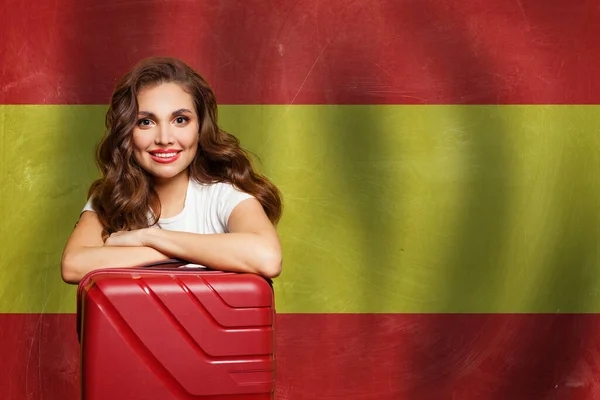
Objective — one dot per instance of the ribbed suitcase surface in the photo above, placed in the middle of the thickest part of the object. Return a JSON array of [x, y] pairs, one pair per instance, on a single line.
[[176, 334]]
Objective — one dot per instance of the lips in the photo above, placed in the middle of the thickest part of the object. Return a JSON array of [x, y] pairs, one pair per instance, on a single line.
[[164, 156]]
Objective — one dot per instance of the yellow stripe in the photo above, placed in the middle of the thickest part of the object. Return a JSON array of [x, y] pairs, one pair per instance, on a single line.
[[387, 208]]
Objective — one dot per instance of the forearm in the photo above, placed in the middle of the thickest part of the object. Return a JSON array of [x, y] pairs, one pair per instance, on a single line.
[[238, 252], [78, 262]]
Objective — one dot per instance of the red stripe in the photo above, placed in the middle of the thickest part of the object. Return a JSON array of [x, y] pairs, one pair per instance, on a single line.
[[310, 51], [361, 356], [39, 357]]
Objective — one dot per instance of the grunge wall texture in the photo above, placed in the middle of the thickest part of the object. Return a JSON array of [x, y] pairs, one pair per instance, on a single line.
[[439, 161]]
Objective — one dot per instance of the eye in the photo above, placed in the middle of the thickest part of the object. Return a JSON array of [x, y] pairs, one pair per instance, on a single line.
[[181, 120], [144, 122]]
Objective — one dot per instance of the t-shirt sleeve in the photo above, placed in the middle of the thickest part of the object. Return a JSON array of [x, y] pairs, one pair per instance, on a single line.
[[88, 206], [230, 197]]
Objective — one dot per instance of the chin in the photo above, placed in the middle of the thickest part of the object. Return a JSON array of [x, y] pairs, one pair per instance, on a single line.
[[166, 173]]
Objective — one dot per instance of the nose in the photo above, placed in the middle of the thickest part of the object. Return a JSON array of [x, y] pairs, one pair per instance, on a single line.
[[164, 135]]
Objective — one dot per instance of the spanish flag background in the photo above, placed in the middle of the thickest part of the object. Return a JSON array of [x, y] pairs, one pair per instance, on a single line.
[[440, 165]]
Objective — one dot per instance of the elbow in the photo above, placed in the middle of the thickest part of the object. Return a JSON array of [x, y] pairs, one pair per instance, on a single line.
[[271, 271], [270, 266], [68, 270]]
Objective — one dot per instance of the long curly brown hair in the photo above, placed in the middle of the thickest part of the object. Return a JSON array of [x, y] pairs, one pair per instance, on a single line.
[[124, 194]]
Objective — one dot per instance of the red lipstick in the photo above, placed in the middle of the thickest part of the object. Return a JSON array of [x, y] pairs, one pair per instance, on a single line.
[[164, 156]]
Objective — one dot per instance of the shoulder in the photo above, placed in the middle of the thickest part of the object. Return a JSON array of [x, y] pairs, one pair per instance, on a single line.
[[216, 201], [218, 190]]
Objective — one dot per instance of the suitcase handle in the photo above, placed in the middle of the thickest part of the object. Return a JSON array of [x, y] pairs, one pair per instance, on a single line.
[[165, 264], [172, 263]]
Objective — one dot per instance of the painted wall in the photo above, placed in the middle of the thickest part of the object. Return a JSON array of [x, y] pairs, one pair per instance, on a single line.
[[439, 162]]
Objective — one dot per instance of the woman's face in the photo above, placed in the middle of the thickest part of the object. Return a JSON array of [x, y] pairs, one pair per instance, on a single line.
[[165, 138]]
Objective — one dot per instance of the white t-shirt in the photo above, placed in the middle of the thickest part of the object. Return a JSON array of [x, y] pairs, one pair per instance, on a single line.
[[207, 208]]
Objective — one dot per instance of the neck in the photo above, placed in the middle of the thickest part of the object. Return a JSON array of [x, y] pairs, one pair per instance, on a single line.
[[171, 193]]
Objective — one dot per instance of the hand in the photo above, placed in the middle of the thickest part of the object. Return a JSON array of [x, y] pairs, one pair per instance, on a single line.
[[133, 238]]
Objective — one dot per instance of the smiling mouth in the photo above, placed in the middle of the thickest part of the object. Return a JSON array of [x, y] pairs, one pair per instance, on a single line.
[[164, 157]]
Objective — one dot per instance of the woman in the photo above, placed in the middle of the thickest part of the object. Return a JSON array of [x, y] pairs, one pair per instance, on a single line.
[[173, 184]]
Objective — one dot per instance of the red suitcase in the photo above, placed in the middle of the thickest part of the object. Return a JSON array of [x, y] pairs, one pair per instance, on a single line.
[[176, 334]]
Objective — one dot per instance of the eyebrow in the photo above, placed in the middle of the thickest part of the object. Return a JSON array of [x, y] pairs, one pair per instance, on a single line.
[[176, 112]]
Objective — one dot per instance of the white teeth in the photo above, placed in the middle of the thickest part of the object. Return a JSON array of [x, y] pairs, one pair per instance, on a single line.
[[165, 155]]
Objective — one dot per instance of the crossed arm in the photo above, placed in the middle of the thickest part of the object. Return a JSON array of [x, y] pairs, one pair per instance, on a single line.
[[251, 245]]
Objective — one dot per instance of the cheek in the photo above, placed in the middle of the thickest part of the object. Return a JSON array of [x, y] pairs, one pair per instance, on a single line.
[[190, 139], [192, 147], [140, 142]]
